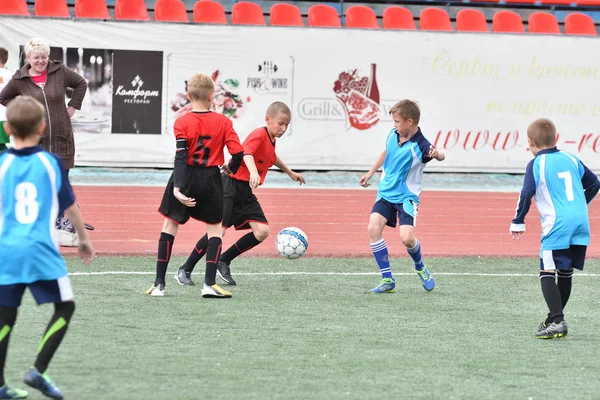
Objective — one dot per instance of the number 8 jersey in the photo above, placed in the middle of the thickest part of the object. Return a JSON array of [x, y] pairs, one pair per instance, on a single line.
[[33, 190], [563, 187]]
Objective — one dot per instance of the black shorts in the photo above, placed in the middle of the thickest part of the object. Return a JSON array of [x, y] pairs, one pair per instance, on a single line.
[[564, 259], [405, 212], [240, 205], [205, 186], [53, 291]]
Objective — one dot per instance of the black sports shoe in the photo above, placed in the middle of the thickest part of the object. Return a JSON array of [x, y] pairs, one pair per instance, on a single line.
[[552, 331], [225, 273], [184, 277]]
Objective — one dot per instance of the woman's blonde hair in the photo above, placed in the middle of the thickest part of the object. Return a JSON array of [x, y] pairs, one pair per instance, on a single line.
[[36, 45]]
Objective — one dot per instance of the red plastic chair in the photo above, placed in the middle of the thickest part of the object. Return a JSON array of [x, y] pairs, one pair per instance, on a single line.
[[209, 12], [558, 2], [51, 8], [361, 17], [435, 19], [542, 22], [132, 10], [324, 16], [580, 24], [587, 3], [283, 14], [507, 22], [91, 9], [471, 20], [247, 13], [14, 7], [396, 17], [170, 11]]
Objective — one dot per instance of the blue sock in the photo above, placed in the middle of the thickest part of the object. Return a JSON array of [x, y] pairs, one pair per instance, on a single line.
[[380, 252], [415, 254]]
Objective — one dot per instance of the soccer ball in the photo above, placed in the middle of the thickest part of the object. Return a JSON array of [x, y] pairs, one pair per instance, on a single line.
[[291, 243]]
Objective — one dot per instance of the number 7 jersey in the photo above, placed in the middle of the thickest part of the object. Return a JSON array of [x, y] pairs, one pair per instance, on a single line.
[[33, 189], [563, 187]]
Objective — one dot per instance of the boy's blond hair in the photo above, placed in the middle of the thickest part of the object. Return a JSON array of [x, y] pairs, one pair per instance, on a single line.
[[542, 133], [278, 107], [24, 116], [200, 87], [407, 109]]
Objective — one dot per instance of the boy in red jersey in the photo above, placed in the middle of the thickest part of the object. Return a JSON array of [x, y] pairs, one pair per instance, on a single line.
[[195, 189], [242, 209]]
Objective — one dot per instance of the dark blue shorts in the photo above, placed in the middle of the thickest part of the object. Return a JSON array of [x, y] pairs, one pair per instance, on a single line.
[[573, 257], [405, 212], [43, 292]]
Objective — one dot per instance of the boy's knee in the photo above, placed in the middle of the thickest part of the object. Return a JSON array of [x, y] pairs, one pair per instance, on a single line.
[[262, 232], [65, 309]]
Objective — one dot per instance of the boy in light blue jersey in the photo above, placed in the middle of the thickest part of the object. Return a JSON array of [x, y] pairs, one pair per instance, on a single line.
[[563, 189], [404, 158], [33, 190]]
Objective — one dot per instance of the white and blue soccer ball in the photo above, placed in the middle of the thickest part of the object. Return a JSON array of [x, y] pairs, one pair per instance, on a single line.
[[291, 243]]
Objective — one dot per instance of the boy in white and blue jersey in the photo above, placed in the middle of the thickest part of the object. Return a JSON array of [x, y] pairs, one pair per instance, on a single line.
[[33, 189], [563, 189], [403, 160]]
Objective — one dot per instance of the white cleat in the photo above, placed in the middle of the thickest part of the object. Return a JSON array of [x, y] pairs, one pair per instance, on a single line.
[[214, 291], [156, 291]]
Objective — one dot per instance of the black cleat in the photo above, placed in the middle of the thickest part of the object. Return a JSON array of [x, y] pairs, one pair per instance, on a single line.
[[184, 278], [225, 273]]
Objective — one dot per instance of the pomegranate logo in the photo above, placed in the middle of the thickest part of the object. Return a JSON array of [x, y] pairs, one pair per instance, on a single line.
[[359, 96]]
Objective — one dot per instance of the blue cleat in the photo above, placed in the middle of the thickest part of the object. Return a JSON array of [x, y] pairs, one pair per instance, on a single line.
[[7, 392], [42, 383], [426, 279], [387, 285]]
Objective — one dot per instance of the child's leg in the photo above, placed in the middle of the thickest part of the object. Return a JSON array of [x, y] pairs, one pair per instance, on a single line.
[[165, 246], [196, 254], [413, 247], [551, 295], [55, 332], [8, 316], [213, 252], [380, 251], [259, 233]]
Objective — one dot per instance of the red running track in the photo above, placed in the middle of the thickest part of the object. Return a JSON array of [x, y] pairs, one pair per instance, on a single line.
[[449, 223]]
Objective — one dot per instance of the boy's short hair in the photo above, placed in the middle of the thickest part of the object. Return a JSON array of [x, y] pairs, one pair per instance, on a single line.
[[278, 107], [3, 55], [407, 109], [542, 133], [24, 116], [200, 87]]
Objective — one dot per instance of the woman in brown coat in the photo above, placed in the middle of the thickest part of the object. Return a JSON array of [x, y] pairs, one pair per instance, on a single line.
[[47, 81]]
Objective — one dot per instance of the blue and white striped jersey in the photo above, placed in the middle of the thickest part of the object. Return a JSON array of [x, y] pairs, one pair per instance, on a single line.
[[33, 190]]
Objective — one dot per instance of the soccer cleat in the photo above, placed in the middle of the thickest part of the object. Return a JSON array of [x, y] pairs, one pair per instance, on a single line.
[[552, 331], [42, 383], [7, 392], [156, 291], [183, 277], [387, 285], [426, 279], [225, 273], [214, 291]]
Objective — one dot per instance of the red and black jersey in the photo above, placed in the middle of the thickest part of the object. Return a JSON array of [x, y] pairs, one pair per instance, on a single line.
[[205, 134], [261, 146]]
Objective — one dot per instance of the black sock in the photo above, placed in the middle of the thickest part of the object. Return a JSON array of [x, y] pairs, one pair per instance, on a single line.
[[243, 244], [196, 254], [564, 281], [8, 316], [552, 296], [55, 332], [212, 257], [165, 245]]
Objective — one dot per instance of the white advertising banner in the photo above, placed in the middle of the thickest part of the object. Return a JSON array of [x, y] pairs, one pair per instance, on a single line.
[[477, 92]]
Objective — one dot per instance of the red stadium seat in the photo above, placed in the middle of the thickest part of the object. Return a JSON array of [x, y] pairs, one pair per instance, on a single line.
[[507, 22], [170, 11], [557, 2], [14, 7], [396, 17], [324, 16], [51, 8], [283, 14], [435, 19], [247, 13], [209, 12], [132, 10], [587, 3], [91, 9], [471, 20], [580, 24], [520, 1], [542, 22], [361, 17]]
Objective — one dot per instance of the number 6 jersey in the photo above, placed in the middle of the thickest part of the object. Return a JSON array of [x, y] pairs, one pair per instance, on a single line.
[[33, 190]]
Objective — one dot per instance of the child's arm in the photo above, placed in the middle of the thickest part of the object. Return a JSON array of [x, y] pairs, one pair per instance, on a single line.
[[436, 154], [254, 176], [591, 184], [293, 175], [364, 180], [86, 250], [517, 226]]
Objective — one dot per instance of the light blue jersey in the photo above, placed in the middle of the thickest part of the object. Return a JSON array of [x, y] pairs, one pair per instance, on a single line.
[[563, 187], [33, 189], [403, 166]]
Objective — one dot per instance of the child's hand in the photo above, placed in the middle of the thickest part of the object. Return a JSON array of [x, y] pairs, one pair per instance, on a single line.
[[433, 152], [516, 235], [364, 180], [86, 251], [225, 169], [254, 180], [183, 199], [296, 177]]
